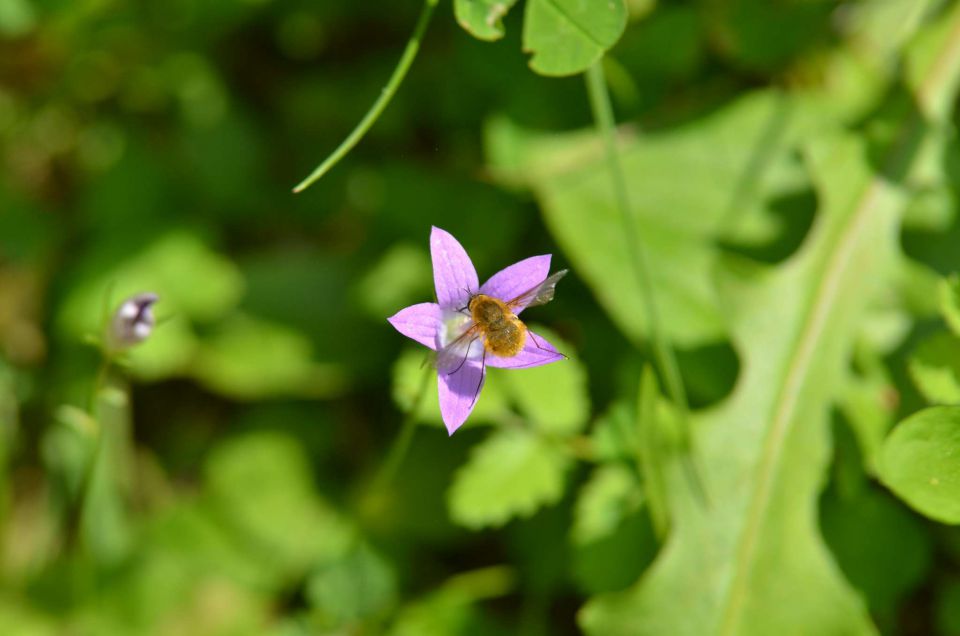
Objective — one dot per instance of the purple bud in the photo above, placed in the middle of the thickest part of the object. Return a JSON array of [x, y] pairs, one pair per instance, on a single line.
[[132, 322]]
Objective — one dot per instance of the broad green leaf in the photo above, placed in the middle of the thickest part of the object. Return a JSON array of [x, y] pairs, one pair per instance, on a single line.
[[399, 278], [358, 586], [763, 452], [919, 463], [751, 561], [195, 284], [935, 368], [727, 193], [611, 493], [510, 474], [482, 19], [249, 358], [949, 296], [567, 36], [261, 485], [188, 275]]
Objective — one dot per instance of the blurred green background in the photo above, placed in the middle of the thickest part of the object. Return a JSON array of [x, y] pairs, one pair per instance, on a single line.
[[153, 145]]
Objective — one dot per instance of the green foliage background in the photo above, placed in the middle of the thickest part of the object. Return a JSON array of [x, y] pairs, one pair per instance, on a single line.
[[792, 182]]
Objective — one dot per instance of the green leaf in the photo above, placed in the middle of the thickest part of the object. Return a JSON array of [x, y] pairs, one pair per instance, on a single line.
[[482, 19], [450, 609], [195, 284], [261, 485], [510, 474], [919, 463], [567, 36], [252, 358], [935, 368], [949, 295], [725, 195], [764, 451], [611, 493], [358, 586]]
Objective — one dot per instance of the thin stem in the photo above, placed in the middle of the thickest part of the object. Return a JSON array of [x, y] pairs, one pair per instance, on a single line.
[[409, 53], [401, 444], [662, 352]]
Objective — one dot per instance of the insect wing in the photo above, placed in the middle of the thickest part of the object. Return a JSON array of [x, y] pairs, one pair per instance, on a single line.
[[540, 294], [454, 355]]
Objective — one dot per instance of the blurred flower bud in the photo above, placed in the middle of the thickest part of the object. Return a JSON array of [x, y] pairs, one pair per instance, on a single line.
[[132, 322]]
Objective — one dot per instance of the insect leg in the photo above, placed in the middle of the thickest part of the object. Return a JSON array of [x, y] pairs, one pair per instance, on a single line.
[[483, 367], [534, 338], [466, 355]]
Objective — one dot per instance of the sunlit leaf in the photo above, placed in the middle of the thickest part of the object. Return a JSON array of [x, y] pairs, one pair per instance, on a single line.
[[251, 358], [949, 295], [261, 484], [919, 462], [567, 36], [935, 368], [727, 193], [763, 452], [483, 19], [512, 473], [611, 494]]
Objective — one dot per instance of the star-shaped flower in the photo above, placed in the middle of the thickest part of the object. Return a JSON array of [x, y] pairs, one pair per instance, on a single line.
[[447, 326]]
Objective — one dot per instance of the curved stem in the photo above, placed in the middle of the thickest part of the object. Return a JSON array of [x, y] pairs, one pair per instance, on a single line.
[[663, 354], [409, 53]]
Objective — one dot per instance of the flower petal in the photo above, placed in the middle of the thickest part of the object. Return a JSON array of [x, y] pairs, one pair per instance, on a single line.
[[536, 351], [453, 273], [420, 322], [459, 391], [518, 278]]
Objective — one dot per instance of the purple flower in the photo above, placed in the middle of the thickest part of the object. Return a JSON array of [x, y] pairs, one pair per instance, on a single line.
[[132, 323], [447, 326]]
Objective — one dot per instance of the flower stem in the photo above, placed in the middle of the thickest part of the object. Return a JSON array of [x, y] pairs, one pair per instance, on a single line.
[[401, 444], [409, 53], [663, 354]]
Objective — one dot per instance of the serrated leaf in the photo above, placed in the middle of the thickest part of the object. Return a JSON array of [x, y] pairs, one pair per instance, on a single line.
[[611, 493], [724, 195], [920, 462], [935, 368], [482, 19], [510, 474], [949, 296], [764, 451], [567, 36]]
